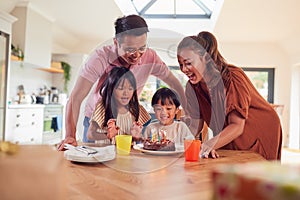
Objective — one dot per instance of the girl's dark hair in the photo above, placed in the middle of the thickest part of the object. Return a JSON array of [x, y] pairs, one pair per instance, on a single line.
[[116, 77], [164, 94], [130, 25]]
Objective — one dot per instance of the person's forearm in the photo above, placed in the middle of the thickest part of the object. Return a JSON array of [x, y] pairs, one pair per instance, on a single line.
[[230, 133], [80, 90], [72, 112]]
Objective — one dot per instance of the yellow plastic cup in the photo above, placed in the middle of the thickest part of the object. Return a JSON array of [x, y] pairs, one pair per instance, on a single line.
[[123, 144]]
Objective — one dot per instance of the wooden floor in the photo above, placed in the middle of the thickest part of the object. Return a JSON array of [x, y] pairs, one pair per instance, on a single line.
[[290, 156]]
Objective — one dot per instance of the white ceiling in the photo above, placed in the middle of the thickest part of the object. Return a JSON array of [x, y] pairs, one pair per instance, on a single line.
[[82, 24]]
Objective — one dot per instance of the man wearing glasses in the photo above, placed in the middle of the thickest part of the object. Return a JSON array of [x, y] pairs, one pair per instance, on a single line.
[[130, 50]]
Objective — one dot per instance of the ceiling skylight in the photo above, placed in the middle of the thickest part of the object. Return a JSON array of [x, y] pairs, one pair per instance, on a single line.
[[172, 8], [177, 15]]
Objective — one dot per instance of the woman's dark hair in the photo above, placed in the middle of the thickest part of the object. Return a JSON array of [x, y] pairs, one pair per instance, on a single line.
[[164, 94], [116, 77], [205, 42], [130, 25], [210, 44]]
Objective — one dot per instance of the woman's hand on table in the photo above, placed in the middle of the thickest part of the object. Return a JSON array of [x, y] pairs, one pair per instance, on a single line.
[[213, 153], [68, 140], [112, 129], [208, 151]]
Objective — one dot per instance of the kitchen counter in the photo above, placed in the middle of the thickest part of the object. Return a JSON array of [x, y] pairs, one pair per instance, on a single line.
[[33, 105], [41, 172], [53, 105], [32, 123], [26, 106]]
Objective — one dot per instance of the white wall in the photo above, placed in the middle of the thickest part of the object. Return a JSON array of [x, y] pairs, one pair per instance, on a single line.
[[31, 78], [76, 61], [294, 140]]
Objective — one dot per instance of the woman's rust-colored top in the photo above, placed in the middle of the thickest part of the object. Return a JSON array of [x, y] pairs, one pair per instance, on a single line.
[[232, 90]]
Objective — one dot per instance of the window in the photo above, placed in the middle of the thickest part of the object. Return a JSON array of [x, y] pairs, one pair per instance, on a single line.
[[174, 8], [263, 80], [181, 16], [154, 83]]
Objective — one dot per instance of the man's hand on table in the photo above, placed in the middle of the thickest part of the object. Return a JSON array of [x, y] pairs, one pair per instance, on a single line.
[[67, 140]]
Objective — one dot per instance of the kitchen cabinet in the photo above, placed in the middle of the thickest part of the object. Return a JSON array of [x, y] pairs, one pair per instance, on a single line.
[[32, 34], [24, 124]]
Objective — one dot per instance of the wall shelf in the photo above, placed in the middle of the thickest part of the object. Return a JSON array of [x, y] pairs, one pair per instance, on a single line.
[[55, 66], [52, 70], [15, 58]]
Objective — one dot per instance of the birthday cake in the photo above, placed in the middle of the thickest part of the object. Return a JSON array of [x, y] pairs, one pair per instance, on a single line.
[[163, 145], [158, 141]]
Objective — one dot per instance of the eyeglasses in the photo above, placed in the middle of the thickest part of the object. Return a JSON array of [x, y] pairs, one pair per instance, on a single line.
[[131, 51]]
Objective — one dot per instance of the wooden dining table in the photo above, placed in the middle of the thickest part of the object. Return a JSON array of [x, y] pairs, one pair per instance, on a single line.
[[42, 172]]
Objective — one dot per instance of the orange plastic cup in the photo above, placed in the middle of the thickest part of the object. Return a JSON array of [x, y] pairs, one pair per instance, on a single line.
[[192, 150]]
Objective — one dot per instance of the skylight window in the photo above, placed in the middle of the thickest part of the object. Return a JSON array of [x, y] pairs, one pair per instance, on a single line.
[[177, 15], [173, 8]]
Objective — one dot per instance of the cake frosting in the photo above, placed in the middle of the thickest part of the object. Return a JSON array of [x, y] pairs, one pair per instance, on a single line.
[[163, 145]]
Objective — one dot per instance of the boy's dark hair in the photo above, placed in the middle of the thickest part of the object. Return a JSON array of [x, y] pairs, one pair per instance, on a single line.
[[163, 94], [130, 25], [116, 77]]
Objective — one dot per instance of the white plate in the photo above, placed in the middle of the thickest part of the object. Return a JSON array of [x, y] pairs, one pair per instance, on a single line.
[[104, 154], [178, 150]]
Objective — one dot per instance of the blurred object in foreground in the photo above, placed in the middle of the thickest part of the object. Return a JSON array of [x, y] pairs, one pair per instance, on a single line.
[[9, 148], [35, 172], [256, 180]]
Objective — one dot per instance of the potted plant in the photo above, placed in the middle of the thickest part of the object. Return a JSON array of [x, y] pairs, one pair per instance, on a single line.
[[16, 51], [67, 69]]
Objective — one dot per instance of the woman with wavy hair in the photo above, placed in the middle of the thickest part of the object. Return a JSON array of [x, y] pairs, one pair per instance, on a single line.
[[222, 96]]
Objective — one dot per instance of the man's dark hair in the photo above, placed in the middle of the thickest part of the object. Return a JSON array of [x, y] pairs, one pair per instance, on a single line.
[[130, 25]]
